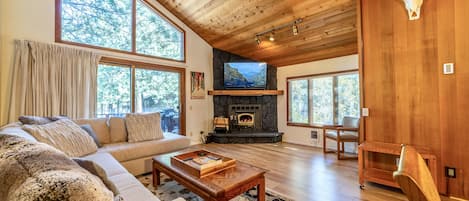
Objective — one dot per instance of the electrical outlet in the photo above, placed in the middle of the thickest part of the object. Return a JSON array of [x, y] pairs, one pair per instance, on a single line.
[[450, 172], [314, 134], [448, 68], [365, 112]]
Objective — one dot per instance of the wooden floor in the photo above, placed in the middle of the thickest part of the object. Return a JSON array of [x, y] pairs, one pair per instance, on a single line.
[[304, 173]]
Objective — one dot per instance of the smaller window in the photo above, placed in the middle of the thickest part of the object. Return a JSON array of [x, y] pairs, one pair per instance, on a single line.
[[324, 99]]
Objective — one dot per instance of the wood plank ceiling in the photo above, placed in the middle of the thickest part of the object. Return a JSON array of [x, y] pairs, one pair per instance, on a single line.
[[328, 28]]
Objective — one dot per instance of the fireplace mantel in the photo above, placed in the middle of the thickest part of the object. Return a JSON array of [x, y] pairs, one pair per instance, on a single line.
[[248, 92]]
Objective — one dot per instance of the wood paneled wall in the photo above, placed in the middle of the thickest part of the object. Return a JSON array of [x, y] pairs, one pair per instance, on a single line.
[[409, 98]]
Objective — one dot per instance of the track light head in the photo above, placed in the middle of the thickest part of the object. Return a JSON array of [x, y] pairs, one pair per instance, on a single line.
[[271, 37], [257, 39], [295, 29]]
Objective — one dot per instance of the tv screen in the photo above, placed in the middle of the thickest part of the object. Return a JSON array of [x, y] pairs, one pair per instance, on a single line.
[[245, 75]]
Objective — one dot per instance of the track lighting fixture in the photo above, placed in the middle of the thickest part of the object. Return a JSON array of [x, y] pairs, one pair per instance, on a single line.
[[271, 36], [271, 32]]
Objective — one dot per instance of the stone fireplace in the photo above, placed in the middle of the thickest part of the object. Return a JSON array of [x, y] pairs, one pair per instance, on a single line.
[[252, 119]]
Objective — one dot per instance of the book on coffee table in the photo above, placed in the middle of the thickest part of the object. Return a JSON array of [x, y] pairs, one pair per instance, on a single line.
[[202, 163]]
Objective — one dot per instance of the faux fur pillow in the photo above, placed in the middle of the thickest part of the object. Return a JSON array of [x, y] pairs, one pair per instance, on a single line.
[[64, 135], [36, 171], [143, 127]]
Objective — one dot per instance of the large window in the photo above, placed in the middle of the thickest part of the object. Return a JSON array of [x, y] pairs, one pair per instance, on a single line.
[[323, 99], [136, 87], [132, 26]]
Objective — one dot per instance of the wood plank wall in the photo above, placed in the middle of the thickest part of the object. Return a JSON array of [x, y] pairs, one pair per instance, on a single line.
[[409, 98]]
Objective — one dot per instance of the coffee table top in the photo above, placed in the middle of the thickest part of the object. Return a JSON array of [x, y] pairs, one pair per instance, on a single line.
[[216, 184]]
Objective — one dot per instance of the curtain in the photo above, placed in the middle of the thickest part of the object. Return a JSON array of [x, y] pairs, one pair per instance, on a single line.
[[51, 80]]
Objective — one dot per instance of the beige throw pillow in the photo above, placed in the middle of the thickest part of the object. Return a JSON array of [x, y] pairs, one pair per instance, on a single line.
[[64, 135], [143, 127]]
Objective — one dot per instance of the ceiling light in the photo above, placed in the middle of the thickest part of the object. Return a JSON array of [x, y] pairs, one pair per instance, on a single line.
[[295, 29], [271, 37], [258, 40]]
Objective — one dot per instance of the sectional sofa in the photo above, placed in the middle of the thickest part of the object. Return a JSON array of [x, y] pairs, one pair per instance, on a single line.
[[120, 159]]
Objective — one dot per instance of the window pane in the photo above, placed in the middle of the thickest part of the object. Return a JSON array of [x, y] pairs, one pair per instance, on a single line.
[[105, 23], [158, 91], [348, 96], [298, 101], [323, 106], [114, 91], [156, 36]]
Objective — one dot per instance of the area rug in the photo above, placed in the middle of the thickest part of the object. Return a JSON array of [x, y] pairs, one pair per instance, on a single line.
[[170, 190]]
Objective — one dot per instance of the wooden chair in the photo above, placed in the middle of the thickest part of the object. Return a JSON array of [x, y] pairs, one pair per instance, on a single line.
[[348, 132], [414, 177]]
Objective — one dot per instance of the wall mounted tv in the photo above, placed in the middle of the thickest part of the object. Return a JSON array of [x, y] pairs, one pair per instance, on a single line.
[[245, 75]]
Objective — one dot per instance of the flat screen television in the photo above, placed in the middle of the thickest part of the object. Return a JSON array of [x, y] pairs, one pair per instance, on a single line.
[[245, 75]]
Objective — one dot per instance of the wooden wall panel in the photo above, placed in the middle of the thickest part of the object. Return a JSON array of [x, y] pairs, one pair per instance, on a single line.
[[409, 98]]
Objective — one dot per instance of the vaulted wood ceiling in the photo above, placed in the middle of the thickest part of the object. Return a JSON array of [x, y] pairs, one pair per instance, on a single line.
[[328, 28]]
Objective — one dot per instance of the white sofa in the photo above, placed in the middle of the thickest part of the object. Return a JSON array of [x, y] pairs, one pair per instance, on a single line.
[[121, 160]]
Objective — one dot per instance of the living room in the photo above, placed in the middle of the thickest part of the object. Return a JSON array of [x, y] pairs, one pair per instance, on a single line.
[[391, 73]]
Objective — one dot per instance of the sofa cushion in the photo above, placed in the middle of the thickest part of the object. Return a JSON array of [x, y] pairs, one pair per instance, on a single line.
[[15, 129], [98, 171], [130, 151], [142, 127], [117, 129], [64, 135], [36, 171], [99, 126], [129, 187]]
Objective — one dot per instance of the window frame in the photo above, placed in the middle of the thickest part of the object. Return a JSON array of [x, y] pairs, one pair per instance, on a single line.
[[143, 65], [58, 32], [309, 77]]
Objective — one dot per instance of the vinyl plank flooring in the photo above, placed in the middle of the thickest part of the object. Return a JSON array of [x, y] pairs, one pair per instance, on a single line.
[[305, 173]]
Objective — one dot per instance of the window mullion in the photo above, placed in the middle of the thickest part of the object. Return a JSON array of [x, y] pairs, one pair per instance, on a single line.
[[132, 99], [134, 25], [310, 101]]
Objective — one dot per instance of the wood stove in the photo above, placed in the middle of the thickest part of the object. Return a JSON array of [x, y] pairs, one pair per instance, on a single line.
[[246, 119], [248, 116]]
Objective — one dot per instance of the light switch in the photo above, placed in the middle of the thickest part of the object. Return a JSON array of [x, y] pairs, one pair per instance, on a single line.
[[448, 68], [365, 112]]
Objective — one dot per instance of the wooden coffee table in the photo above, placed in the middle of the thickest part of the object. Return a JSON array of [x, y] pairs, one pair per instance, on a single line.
[[220, 186]]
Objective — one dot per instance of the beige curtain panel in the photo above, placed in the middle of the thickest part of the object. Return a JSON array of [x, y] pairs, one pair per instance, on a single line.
[[52, 80]]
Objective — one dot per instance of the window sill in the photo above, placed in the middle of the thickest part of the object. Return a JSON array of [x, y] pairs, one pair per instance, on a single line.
[[320, 126]]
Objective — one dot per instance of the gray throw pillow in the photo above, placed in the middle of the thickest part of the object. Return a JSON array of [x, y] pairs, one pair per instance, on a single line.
[[59, 117], [34, 120], [91, 132], [98, 171]]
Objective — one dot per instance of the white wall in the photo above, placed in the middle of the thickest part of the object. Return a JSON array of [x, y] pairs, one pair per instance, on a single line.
[[302, 135], [34, 20]]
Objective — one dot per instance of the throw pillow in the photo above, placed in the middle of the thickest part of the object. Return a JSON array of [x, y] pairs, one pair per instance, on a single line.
[[97, 170], [35, 120], [64, 135], [37, 171], [90, 132], [143, 127], [59, 117]]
